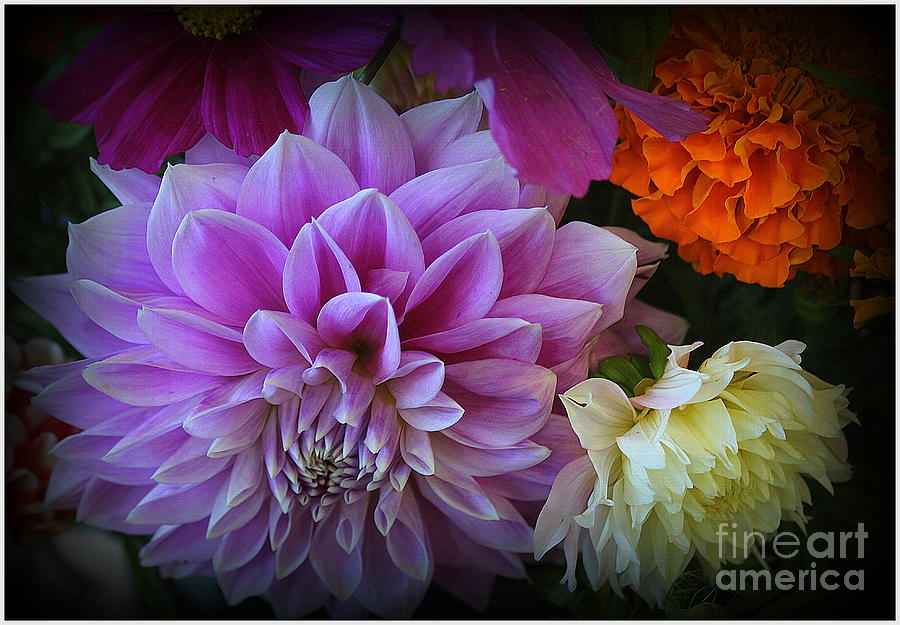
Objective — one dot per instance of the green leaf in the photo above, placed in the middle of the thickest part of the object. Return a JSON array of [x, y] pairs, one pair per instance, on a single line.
[[629, 37], [860, 88], [621, 371], [842, 252], [659, 351]]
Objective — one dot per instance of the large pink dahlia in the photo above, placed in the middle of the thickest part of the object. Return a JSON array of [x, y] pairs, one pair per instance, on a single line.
[[545, 85], [153, 83], [320, 376]]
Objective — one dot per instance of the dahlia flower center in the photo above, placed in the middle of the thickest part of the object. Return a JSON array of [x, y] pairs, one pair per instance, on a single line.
[[215, 22], [321, 472]]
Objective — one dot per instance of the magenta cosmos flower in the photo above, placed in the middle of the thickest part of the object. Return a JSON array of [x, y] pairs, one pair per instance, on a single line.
[[320, 376], [544, 84], [153, 84]]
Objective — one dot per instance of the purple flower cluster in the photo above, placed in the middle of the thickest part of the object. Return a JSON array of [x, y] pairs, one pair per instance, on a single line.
[[322, 375]]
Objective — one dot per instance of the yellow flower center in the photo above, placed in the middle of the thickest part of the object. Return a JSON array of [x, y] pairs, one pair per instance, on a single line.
[[215, 22]]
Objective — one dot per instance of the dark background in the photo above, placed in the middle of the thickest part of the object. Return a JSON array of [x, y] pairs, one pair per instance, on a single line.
[[48, 184]]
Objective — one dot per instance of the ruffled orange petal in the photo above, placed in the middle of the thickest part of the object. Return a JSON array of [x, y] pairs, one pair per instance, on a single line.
[[768, 187], [668, 164], [714, 219]]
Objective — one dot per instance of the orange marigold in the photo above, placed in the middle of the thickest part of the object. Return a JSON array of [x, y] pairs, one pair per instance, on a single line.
[[873, 297], [788, 167]]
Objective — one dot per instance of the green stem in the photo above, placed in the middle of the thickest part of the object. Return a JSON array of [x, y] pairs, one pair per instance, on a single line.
[[378, 60]]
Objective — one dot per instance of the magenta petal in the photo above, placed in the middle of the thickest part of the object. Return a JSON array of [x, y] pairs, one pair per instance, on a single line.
[[294, 181], [315, 271], [65, 398], [130, 186], [484, 338], [171, 543], [196, 342], [349, 119], [536, 195], [254, 578], [186, 188], [339, 570], [327, 39], [415, 447], [535, 72], [387, 241], [279, 340], [433, 126], [566, 324], [240, 546], [106, 505], [458, 287], [363, 323], [505, 401], [189, 464], [139, 379], [167, 503], [248, 261], [290, 604], [509, 532], [76, 95], [49, 296], [478, 146], [296, 546], [209, 150], [466, 495], [439, 48], [385, 590], [439, 413], [485, 462], [111, 248], [113, 312], [438, 196], [153, 109], [226, 418], [592, 264], [525, 237], [250, 95], [418, 380]]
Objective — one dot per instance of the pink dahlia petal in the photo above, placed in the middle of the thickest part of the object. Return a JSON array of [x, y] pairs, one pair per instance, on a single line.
[[525, 237], [107, 505], [536, 195], [178, 542], [385, 590], [186, 188], [436, 414], [225, 418], [485, 462], [339, 570], [315, 271], [111, 248], [130, 186], [363, 321], [592, 264], [252, 579], [478, 146], [417, 381], [249, 262], [240, 546], [209, 150], [438, 196], [387, 242], [435, 125], [295, 180], [328, 40], [49, 296], [566, 324], [277, 339], [509, 532], [289, 603], [349, 119], [65, 397], [195, 342], [140, 380], [515, 339], [505, 401], [113, 312], [250, 95], [166, 503], [458, 287], [568, 498]]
